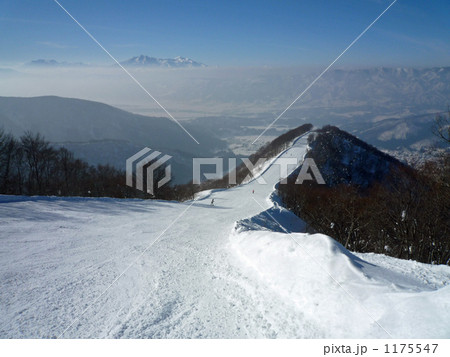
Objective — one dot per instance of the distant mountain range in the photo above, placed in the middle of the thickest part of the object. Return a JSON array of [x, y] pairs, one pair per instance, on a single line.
[[147, 61], [101, 134], [137, 61], [390, 108], [53, 63]]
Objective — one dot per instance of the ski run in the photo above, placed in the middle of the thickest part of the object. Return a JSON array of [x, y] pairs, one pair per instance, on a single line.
[[111, 268]]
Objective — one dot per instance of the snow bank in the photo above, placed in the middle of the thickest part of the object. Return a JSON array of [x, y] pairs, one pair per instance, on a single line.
[[265, 221], [343, 294]]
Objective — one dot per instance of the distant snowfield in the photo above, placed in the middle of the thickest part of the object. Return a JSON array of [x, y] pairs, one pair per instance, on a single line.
[[109, 268]]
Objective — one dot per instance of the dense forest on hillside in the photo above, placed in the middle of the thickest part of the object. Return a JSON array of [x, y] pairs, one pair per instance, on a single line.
[[31, 166], [372, 202]]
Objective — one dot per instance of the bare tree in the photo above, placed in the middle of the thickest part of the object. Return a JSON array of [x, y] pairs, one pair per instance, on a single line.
[[441, 127], [7, 148], [37, 157]]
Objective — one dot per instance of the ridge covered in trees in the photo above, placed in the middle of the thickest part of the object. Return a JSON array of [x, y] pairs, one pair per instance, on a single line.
[[373, 203], [264, 153]]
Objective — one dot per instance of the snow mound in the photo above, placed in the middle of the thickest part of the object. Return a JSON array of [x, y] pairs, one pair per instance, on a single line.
[[286, 221], [333, 287], [432, 276]]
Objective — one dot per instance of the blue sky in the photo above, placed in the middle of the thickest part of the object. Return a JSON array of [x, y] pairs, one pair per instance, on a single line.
[[228, 33]]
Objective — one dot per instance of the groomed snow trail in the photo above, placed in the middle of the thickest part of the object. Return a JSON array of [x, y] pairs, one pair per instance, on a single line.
[[201, 279]]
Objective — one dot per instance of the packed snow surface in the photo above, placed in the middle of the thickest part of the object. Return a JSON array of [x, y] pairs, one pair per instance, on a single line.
[[109, 268]]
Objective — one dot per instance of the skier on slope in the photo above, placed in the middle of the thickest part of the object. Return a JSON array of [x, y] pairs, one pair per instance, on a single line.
[[212, 202]]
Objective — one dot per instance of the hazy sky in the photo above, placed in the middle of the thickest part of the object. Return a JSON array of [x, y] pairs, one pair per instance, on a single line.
[[224, 33]]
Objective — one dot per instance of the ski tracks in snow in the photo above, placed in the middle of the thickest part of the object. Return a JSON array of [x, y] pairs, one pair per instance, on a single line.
[[58, 255]]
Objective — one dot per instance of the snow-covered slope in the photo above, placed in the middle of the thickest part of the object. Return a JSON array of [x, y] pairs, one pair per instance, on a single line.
[[78, 267]]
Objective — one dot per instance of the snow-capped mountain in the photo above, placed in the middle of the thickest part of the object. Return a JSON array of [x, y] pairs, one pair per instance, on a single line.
[[177, 62], [139, 61], [52, 63]]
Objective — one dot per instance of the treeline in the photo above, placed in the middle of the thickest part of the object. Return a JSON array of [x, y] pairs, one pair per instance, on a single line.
[[281, 143], [406, 215], [31, 166]]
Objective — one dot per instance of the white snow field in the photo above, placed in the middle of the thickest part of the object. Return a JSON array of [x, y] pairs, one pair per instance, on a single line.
[[88, 268]]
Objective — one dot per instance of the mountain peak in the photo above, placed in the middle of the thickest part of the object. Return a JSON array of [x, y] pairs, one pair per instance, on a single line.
[[52, 63], [148, 61]]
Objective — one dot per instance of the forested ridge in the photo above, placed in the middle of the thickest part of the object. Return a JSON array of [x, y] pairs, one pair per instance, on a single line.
[[373, 203]]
